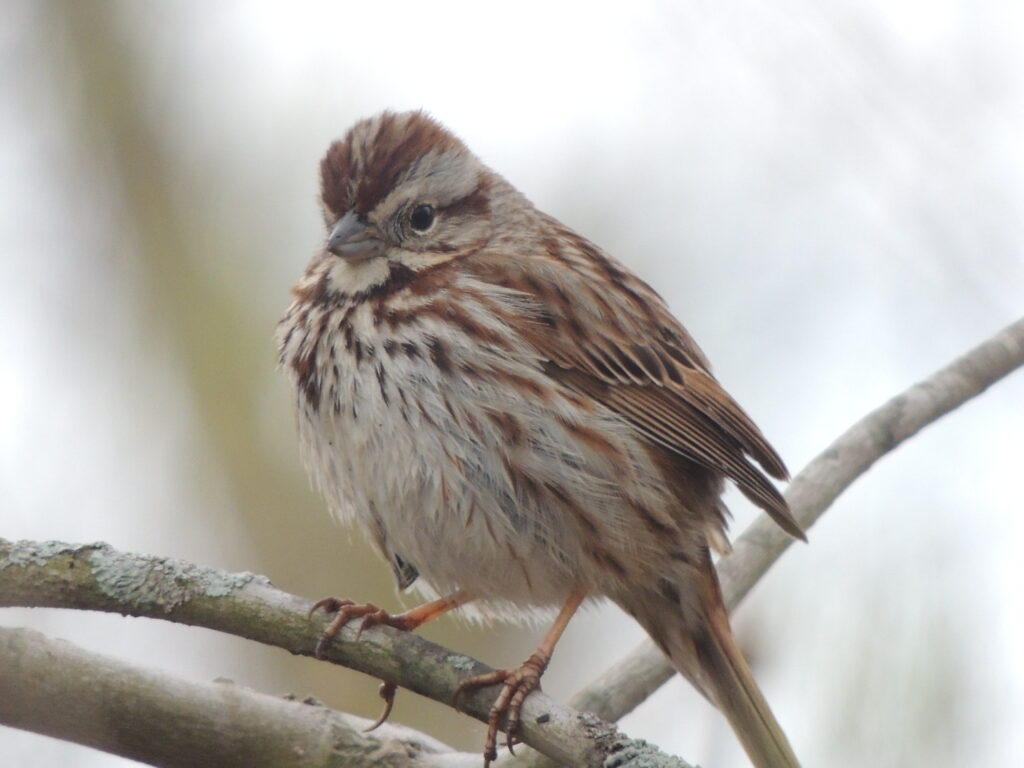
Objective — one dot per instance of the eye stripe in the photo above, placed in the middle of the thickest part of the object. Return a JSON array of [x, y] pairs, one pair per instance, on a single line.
[[474, 204]]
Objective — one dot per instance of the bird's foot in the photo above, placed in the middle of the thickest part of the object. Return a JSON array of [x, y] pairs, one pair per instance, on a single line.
[[347, 610], [517, 684], [371, 616]]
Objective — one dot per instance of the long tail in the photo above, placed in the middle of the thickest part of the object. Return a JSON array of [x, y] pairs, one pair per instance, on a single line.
[[733, 689], [702, 648]]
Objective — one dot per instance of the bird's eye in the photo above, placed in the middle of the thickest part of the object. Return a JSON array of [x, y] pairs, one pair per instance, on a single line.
[[422, 217]]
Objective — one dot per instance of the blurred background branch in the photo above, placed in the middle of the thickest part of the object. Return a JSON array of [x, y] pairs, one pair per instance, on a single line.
[[54, 688]]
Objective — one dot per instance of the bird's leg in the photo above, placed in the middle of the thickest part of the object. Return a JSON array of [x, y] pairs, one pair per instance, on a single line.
[[371, 616], [518, 683]]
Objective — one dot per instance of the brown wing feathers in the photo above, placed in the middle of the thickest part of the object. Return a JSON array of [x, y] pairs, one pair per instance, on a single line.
[[661, 386]]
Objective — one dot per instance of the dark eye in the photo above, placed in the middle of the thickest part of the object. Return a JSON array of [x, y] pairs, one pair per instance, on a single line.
[[422, 217]]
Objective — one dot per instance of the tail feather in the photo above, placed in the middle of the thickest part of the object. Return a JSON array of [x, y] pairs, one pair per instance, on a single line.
[[694, 633], [732, 688]]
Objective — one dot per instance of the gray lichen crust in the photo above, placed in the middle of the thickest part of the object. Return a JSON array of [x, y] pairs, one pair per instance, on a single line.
[[635, 753], [36, 553], [140, 581], [164, 582]]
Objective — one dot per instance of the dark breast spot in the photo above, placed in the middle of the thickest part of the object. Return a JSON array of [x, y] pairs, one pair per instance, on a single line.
[[511, 428], [439, 354], [308, 377], [382, 382]]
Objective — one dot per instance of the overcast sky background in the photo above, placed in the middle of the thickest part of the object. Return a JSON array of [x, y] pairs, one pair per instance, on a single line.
[[830, 195]]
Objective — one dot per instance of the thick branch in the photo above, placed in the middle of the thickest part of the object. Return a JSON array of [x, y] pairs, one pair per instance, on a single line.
[[631, 680], [53, 687], [97, 577]]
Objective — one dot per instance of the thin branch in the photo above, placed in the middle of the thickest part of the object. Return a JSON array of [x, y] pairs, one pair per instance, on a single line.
[[57, 689], [97, 577], [631, 680]]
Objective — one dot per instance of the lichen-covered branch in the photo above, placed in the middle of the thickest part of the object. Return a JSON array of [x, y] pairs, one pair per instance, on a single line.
[[97, 577], [631, 680]]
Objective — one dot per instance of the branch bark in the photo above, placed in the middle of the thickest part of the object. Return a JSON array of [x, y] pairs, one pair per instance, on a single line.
[[52, 687], [97, 577]]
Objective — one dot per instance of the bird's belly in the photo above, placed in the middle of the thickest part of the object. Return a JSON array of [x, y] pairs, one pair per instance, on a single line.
[[434, 492]]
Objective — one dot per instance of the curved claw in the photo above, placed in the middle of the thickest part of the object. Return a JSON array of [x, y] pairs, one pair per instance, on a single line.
[[329, 605], [387, 692]]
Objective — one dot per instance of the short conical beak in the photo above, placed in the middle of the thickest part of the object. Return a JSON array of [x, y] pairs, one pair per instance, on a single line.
[[354, 239]]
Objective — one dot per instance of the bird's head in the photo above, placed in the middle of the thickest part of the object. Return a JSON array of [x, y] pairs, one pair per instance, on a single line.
[[402, 189]]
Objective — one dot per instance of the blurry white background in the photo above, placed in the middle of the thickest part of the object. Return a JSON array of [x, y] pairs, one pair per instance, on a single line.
[[830, 195]]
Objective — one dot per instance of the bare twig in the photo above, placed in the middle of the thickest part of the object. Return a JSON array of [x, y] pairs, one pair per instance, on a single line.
[[630, 681]]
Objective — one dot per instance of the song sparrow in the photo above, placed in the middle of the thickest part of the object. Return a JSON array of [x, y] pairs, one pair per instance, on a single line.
[[516, 418]]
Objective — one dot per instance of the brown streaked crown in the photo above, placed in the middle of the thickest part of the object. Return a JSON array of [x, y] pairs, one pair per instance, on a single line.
[[361, 169]]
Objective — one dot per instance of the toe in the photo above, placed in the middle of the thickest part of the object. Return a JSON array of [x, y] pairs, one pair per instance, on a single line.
[[387, 692]]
